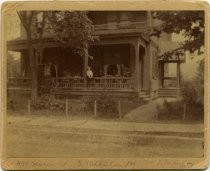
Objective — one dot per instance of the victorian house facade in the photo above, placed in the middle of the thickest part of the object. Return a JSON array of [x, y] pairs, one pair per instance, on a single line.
[[124, 60]]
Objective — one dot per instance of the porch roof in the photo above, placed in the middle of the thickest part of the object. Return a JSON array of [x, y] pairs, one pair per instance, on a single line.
[[20, 43]]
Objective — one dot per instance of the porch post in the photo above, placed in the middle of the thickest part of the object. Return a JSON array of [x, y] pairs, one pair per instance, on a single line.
[[161, 76], [85, 62], [137, 71], [178, 74], [22, 63]]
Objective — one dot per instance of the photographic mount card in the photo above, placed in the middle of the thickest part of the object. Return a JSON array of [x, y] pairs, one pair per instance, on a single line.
[[105, 85]]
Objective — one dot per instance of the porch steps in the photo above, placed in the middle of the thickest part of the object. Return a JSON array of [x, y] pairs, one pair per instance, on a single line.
[[144, 95], [167, 92]]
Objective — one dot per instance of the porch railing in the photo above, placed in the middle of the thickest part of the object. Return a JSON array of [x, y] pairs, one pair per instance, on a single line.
[[75, 83], [112, 83], [67, 83], [95, 83]]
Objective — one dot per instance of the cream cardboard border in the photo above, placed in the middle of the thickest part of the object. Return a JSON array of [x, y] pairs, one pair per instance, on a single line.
[[105, 163]]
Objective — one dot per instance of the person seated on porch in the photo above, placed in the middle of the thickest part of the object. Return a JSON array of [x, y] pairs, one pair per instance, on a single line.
[[66, 74], [125, 71], [113, 70], [77, 75], [100, 74], [89, 75], [47, 70]]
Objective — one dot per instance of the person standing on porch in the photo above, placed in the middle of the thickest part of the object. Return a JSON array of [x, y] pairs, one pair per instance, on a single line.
[[89, 74], [47, 70]]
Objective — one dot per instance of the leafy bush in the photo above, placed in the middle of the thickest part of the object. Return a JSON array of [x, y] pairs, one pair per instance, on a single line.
[[189, 93], [175, 110], [48, 102], [193, 98], [170, 110], [17, 101], [107, 106]]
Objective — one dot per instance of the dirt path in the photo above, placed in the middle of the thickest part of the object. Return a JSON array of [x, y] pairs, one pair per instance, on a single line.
[[145, 113]]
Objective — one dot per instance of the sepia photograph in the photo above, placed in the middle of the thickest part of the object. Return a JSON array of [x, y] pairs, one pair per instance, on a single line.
[[94, 85]]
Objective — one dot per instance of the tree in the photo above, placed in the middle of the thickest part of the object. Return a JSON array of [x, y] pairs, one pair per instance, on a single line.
[[27, 19], [71, 28], [188, 23]]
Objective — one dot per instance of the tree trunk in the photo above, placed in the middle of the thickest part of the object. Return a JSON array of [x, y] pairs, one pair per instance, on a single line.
[[34, 74]]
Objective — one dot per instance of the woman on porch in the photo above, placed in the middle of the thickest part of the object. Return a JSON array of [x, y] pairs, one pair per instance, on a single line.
[[89, 75]]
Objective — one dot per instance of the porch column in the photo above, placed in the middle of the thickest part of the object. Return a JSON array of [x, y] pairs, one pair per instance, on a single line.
[[22, 62], [161, 74], [137, 71], [178, 74], [85, 63]]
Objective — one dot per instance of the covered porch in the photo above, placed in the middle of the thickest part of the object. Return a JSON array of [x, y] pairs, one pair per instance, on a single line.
[[118, 64]]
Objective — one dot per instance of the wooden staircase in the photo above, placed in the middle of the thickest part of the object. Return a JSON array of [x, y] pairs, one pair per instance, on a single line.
[[168, 92]]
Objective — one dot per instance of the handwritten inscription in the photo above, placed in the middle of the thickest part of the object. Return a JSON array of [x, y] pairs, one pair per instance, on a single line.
[[105, 163], [34, 164], [22, 163], [179, 164]]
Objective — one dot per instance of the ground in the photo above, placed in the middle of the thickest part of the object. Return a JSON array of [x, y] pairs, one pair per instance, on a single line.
[[58, 136], [139, 133]]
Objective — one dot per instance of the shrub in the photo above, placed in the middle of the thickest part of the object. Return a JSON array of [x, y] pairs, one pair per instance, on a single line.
[[48, 102], [107, 106], [136, 101], [17, 101], [170, 110], [193, 98]]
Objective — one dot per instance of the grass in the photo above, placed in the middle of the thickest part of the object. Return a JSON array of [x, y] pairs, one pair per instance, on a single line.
[[175, 111]]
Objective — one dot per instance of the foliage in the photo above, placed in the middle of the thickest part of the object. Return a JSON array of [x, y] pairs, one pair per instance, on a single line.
[[189, 93], [72, 28], [164, 113], [17, 101], [198, 81], [48, 102], [107, 106], [193, 112], [136, 101], [193, 91], [188, 23]]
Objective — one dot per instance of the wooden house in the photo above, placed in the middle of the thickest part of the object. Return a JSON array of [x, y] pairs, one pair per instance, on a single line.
[[124, 60]]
